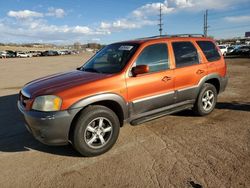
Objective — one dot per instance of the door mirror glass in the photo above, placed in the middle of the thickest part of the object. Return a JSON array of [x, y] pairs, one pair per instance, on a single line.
[[140, 69]]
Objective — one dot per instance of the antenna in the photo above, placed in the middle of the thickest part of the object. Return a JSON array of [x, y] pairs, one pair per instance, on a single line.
[[160, 21]]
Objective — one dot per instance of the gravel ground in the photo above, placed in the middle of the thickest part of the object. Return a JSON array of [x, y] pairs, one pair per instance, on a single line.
[[179, 150]]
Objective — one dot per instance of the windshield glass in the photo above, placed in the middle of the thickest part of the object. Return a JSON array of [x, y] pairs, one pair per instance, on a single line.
[[111, 59]]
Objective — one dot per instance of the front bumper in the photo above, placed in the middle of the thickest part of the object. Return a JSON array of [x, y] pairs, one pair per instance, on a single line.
[[50, 128]]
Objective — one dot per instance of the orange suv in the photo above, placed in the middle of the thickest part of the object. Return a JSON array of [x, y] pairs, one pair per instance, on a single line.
[[132, 81]]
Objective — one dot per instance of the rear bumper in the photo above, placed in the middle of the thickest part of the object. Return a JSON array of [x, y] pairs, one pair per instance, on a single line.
[[50, 128], [223, 83]]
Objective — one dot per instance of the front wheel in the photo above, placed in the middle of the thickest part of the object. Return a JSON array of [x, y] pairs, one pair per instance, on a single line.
[[96, 131], [206, 100]]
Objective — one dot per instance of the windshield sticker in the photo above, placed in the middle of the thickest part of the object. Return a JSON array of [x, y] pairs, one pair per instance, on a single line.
[[126, 48]]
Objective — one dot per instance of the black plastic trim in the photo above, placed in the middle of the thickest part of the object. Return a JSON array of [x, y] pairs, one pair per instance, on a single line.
[[103, 97], [153, 114], [50, 128]]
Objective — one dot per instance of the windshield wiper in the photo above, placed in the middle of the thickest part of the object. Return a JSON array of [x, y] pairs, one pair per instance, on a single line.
[[90, 70]]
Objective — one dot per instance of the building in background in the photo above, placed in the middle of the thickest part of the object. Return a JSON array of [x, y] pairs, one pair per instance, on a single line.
[[247, 34]]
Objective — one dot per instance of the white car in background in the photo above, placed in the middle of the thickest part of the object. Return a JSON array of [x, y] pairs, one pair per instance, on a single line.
[[3, 54], [223, 49], [23, 54], [61, 52]]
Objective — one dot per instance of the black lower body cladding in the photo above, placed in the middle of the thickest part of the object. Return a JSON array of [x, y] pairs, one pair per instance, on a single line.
[[223, 83]]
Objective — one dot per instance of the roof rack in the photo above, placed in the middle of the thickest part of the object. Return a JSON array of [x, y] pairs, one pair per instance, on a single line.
[[188, 35], [169, 36]]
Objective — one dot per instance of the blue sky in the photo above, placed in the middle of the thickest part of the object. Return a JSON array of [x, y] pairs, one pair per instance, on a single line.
[[69, 21]]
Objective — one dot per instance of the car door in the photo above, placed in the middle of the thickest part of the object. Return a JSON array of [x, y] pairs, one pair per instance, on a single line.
[[189, 70], [212, 56], [152, 90]]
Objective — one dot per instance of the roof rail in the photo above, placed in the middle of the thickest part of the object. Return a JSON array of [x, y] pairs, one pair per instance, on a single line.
[[169, 36], [188, 35]]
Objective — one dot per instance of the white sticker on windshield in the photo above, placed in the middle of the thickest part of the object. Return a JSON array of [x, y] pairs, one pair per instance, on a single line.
[[126, 48]]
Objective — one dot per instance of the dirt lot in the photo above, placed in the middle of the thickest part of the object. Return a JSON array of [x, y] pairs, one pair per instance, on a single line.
[[179, 150]]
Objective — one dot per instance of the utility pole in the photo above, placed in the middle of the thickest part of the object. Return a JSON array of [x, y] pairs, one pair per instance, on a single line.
[[160, 21], [205, 23]]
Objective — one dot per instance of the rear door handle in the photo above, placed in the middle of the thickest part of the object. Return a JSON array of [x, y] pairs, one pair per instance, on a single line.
[[166, 78], [200, 71]]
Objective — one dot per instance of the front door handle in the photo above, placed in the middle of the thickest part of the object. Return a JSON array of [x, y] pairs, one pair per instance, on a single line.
[[200, 71], [166, 78]]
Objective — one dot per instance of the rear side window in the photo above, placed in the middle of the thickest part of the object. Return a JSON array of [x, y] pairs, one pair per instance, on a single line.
[[185, 54], [209, 49], [155, 56]]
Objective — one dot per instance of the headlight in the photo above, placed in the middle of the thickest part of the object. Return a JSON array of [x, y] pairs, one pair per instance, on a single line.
[[47, 103]]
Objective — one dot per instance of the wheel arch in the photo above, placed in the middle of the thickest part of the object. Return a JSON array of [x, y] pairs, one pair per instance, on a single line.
[[214, 79], [110, 100], [215, 82]]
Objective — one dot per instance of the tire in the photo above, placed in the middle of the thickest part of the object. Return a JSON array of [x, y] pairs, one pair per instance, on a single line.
[[95, 131], [206, 100]]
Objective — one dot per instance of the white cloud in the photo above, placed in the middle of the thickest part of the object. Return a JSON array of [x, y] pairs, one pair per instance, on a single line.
[[238, 19], [81, 30], [124, 24], [34, 26], [105, 25], [96, 39], [57, 12], [180, 3], [152, 9], [24, 14], [198, 5]]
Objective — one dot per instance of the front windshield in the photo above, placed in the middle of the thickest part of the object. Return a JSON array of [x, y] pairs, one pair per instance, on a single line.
[[111, 59]]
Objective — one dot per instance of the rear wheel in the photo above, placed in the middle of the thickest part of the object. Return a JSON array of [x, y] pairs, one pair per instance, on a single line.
[[206, 100], [96, 131]]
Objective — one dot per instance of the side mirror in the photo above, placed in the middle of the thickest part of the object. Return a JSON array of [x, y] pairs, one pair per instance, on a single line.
[[140, 69], [78, 68]]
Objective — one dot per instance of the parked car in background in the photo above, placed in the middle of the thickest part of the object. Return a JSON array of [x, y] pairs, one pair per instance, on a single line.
[[10, 53], [50, 53], [61, 52], [66, 52], [230, 49], [35, 53], [3, 54], [7, 54], [23, 54], [242, 51], [75, 52], [223, 49]]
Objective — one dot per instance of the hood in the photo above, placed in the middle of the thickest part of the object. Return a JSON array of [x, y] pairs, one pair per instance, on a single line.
[[59, 82]]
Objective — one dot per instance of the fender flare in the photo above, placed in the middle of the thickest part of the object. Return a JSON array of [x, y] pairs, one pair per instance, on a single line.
[[102, 97], [208, 77]]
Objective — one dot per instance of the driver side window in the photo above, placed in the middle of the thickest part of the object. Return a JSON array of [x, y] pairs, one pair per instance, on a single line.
[[155, 56]]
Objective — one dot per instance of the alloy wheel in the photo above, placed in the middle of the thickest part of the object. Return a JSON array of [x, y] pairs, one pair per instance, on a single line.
[[98, 133]]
